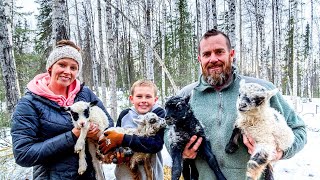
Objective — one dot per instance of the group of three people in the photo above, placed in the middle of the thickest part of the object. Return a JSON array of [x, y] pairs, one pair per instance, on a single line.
[[43, 136]]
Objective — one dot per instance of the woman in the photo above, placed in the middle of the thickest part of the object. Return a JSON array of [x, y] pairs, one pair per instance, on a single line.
[[43, 135]]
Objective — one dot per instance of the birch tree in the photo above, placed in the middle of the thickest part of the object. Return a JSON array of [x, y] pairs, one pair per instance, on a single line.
[[102, 57], [8, 66], [232, 22], [60, 26], [148, 52], [111, 61]]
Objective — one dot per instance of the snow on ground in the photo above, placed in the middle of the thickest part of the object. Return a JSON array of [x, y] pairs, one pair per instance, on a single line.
[[303, 166]]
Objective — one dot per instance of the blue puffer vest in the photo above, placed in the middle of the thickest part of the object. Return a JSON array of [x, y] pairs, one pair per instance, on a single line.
[[42, 137]]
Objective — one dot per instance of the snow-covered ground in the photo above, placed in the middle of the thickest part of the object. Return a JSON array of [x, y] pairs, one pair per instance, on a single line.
[[303, 166]]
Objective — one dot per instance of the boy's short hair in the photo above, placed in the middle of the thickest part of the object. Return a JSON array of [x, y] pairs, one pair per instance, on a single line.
[[144, 82]]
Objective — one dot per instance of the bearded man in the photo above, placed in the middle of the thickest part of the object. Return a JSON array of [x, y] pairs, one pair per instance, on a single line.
[[213, 100]]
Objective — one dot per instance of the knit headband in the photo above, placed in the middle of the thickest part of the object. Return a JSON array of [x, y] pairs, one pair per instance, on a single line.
[[61, 52]]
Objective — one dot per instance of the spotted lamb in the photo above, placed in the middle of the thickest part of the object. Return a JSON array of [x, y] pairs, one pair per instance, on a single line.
[[148, 125], [182, 126], [82, 114], [264, 124]]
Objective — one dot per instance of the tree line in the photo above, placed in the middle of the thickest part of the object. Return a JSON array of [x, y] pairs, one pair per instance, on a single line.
[[125, 40]]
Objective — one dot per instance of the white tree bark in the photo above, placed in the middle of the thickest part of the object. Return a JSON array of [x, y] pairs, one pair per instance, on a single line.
[[60, 26], [102, 57], [8, 65], [148, 36], [111, 61], [232, 22]]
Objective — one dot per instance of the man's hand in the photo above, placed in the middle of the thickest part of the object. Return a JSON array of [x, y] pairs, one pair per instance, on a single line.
[[191, 153], [251, 145], [249, 142], [109, 140]]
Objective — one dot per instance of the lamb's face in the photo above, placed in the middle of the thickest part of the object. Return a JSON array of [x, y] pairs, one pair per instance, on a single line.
[[176, 109], [80, 112], [150, 122], [252, 96]]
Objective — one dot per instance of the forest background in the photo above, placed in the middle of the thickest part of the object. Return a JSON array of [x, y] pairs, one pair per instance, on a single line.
[[125, 40]]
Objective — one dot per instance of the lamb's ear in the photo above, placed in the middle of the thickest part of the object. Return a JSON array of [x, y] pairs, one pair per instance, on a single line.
[[272, 92], [93, 103], [139, 120], [65, 108], [187, 98], [242, 82]]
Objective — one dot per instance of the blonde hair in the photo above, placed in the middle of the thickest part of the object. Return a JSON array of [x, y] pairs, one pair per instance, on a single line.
[[143, 82]]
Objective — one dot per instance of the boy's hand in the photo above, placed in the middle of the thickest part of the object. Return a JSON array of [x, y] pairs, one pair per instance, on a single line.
[[122, 155], [109, 140]]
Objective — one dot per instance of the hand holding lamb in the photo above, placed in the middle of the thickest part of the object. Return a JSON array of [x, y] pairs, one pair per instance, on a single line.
[[109, 140], [268, 128]]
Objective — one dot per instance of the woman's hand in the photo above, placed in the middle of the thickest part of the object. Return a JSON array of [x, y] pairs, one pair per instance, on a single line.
[[93, 132], [192, 152]]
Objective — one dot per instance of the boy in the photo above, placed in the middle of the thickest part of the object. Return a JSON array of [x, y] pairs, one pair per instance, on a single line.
[[143, 97]]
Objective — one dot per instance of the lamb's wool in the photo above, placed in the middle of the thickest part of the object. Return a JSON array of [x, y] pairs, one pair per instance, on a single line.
[[182, 126], [82, 114], [264, 124], [148, 125]]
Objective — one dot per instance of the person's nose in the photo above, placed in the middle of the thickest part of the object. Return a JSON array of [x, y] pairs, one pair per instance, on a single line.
[[67, 70], [213, 58]]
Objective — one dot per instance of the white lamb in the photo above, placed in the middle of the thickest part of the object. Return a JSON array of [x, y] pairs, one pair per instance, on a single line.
[[82, 114], [148, 125], [264, 124]]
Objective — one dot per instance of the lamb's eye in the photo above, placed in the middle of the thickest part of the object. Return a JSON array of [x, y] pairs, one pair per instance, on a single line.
[[179, 107]]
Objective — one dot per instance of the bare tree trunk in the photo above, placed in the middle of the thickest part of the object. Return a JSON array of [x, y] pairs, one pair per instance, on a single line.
[[102, 58], [111, 61], [8, 65], [214, 14], [60, 26], [148, 51], [242, 70], [199, 29], [79, 42], [311, 60], [232, 22], [163, 52]]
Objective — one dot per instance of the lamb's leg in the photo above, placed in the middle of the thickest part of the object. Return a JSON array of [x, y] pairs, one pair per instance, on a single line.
[[134, 170], [257, 163], [80, 148], [176, 155], [189, 170], [82, 162], [148, 167], [95, 162], [205, 150], [269, 172], [233, 144], [80, 144]]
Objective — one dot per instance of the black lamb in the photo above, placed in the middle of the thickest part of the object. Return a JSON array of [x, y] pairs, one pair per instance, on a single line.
[[182, 126]]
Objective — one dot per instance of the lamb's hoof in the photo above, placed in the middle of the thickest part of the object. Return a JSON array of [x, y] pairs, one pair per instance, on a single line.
[[77, 148], [231, 148], [82, 169]]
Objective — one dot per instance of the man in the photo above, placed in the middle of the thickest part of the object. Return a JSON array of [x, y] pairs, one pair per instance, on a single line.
[[213, 101]]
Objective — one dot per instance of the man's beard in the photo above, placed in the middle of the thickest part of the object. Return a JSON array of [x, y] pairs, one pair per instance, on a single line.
[[217, 78]]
